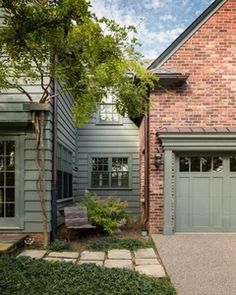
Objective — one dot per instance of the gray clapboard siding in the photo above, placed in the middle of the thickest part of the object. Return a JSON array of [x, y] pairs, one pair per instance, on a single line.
[[107, 140], [13, 112], [67, 135]]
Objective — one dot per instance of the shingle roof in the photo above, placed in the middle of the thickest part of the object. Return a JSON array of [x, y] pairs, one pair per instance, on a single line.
[[197, 130]]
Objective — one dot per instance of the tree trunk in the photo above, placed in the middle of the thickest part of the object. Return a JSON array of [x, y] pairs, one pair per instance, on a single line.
[[38, 121]]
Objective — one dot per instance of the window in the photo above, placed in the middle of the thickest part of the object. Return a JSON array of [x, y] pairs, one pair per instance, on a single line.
[[201, 164], [110, 172], [107, 113], [7, 179], [64, 173]]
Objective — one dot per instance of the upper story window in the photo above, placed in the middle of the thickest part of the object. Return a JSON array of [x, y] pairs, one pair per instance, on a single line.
[[110, 172], [64, 173], [107, 113]]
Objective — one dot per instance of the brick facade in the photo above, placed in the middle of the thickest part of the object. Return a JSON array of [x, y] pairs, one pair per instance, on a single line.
[[207, 99]]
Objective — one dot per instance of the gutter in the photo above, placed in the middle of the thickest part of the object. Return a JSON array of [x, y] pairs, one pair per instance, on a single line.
[[147, 165], [54, 169]]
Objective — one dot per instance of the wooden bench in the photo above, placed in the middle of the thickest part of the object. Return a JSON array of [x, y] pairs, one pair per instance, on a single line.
[[76, 218]]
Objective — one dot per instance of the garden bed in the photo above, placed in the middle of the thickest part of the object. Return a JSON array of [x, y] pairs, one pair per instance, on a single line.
[[39, 277]]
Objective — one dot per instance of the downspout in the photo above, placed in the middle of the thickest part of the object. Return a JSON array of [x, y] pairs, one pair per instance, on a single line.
[[54, 168], [147, 164]]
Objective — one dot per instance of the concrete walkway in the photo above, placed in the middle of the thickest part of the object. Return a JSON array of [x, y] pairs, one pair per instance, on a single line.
[[199, 264]]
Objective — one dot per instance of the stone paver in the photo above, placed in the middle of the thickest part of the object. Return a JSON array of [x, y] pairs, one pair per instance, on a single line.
[[53, 259], [146, 261], [151, 270], [90, 255], [97, 262], [33, 253], [71, 255], [145, 253], [119, 254], [125, 263]]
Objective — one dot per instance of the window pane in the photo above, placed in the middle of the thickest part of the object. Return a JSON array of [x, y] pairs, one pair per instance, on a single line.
[[65, 185], [1, 210], [59, 184], [70, 186], [100, 164], [233, 164], [2, 195], [100, 179], [10, 195], [10, 210], [10, 179], [120, 179], [206, 164], [195, 164], [217, 164], [1, 179], [10, 163], [120, 164], [184, 164], [2, 152], [10, 148], [1, 163]]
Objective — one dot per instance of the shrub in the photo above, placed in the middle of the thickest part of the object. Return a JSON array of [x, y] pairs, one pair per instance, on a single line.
[[109, 243], [24, 275], [107, 214], [59, 245]]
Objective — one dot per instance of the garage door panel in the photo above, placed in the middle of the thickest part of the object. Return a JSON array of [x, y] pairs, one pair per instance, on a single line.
[[200, 201], [232, 201], [182, 202], [217, 202]]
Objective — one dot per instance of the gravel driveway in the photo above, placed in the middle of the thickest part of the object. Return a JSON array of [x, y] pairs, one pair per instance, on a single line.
[[199, 264]]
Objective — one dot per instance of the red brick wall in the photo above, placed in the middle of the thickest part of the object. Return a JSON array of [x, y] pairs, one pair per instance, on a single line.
[[208, 99]]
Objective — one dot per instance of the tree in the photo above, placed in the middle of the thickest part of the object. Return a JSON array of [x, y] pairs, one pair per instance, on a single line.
[[63, 41]]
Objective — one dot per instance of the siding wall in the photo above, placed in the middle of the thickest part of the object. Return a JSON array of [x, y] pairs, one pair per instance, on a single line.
[[12, 116], [103, 140], [67, 134], [14, 119]]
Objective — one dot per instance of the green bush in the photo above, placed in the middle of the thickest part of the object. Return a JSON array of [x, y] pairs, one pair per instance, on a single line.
[[109, 243], [20, 276], [107, 214], [59, 245]]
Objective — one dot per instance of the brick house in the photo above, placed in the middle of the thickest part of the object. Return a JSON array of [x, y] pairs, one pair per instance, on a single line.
[[191, 144]]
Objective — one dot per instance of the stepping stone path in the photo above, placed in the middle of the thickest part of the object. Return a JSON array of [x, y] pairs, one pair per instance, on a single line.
[[144, 261], [37, 254]]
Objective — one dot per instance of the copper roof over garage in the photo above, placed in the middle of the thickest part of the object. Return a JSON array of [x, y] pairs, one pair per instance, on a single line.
[[197, 130]]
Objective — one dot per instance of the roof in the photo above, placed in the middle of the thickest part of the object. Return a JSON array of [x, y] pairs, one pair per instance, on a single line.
[[169, 73], [213, 8], [197, 130]]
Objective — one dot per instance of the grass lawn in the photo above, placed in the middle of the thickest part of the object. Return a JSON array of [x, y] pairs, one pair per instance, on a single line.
[[23, 276]]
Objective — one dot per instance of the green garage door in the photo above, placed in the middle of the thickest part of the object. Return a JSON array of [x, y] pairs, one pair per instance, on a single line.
[[206, 193]]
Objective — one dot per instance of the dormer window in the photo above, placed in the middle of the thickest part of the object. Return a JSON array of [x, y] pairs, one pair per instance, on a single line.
[[107, 113]]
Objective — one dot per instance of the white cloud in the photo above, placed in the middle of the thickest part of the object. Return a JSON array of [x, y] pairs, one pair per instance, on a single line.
[[167, 17], [152, 4]]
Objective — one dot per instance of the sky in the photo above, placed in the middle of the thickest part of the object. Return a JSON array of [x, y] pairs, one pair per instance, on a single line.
[[159, 22]]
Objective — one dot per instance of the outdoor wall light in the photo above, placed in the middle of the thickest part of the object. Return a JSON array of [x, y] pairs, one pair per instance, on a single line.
[[158, 160]]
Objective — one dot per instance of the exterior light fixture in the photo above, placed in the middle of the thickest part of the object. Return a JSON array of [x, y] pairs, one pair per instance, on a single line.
[[158, 160]]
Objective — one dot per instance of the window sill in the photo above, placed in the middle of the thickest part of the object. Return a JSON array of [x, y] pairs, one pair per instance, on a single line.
[[110, 123], [110, 189], [64, 200]]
